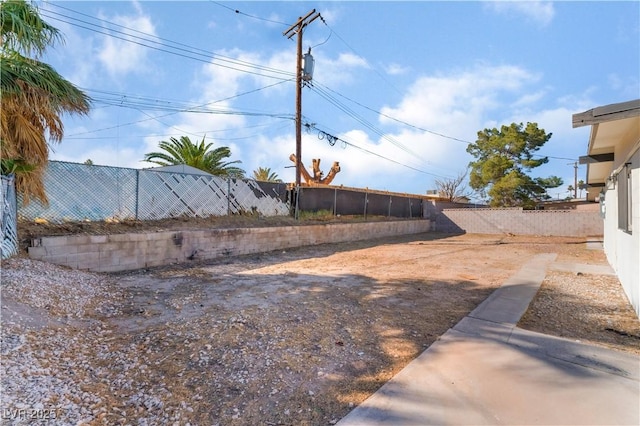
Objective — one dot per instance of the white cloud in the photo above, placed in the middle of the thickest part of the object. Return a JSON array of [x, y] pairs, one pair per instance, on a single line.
[[452, 103], [396, 69], [352, 61], [339, 71], [222, 78], [529, 98], [122, 56], [541, 12], [457, 104], [627, 88]]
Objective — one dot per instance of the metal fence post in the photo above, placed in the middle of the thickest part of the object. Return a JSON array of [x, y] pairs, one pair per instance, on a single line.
[[137, 192], [366, 200], [335, 201], [228, 196], [296, 213], [390, 200]]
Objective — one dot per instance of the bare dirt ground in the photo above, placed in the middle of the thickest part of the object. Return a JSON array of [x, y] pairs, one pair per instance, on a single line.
[[294, 337]]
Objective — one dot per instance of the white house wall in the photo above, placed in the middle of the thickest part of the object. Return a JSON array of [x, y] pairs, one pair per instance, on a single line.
[[622, 248]]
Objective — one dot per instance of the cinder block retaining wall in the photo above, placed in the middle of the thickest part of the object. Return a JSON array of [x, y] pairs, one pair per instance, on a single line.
[[566, 223], [121, 252]]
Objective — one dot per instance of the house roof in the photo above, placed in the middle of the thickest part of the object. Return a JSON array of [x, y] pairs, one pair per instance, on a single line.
[[181, 168], [611, 126]]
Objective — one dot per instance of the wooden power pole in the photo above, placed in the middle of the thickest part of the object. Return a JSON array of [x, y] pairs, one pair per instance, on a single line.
[[298, 28], [575, 179]]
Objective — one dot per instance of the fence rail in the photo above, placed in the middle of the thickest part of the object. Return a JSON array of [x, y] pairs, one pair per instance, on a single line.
[[80, 192]]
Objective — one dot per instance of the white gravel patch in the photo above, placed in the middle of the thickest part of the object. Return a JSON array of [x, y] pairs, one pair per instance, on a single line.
[[49, 375]]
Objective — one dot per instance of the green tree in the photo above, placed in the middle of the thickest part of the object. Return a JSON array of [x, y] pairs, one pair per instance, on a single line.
[[34, 96], [266, 175], [200, 156], [503, 159]]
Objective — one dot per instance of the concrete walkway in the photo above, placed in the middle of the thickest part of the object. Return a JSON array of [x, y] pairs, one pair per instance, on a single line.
[[485, 370]]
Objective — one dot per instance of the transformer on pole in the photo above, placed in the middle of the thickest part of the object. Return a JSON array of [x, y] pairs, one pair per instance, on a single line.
[[308, 64]]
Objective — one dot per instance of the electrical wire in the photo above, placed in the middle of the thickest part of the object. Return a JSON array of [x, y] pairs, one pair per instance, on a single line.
[[398, 91], [231, 129], [120, 100], [165, 45], [327, 39], [396, 119], [316, 84], [238, 12], [319, 89], [333, 139], [153, 40], [361, 56], [210, 57], [154, 37]]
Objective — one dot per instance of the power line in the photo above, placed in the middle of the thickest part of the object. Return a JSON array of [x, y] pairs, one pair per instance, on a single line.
[[396, 119], [154, 37], [316, 84], [331, 99], [163, 45], [210, 56], [331, 139], [253, 126], [358, 54], [393, 87], [120, 100], [238, 12]]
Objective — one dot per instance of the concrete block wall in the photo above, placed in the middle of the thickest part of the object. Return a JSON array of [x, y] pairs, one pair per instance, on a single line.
[[121, 252], [566, 223]]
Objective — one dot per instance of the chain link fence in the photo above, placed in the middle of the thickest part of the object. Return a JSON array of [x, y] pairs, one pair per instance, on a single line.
[[8, 224], [81, 192]]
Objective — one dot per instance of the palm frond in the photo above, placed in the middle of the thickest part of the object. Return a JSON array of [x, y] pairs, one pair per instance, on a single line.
[[24, 30], [35, 82], [200, 156], [34, 96]]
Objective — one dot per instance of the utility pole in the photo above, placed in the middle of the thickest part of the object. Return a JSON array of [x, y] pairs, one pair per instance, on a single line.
[[575, 179], [298, 28]]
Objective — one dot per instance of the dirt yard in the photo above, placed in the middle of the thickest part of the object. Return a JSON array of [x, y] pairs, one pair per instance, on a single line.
[[296, 337]]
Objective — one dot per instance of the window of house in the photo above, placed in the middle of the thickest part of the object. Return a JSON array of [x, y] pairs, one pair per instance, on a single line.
[[625, 198]]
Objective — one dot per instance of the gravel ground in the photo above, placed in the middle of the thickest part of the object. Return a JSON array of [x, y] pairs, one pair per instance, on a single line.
[[589, 308], [290, 338]]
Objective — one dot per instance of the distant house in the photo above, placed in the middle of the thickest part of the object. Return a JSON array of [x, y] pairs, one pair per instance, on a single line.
[[435, 195], [613, 179], [180, 168], [573, 204]]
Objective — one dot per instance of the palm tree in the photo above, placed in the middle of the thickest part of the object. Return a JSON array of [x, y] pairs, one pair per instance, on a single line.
[[580, 187], [266, 175], [571, 190], [183, 151], [34, 96]]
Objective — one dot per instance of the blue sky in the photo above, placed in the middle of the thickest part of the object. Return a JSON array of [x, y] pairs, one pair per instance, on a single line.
[[404, 86]]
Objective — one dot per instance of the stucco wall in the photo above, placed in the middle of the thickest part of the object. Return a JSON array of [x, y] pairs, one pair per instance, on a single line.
[[520, 222], [623, 248], [121, 252]]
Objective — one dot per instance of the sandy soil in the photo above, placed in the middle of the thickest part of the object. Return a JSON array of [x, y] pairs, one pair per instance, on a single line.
[[299, 337]]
